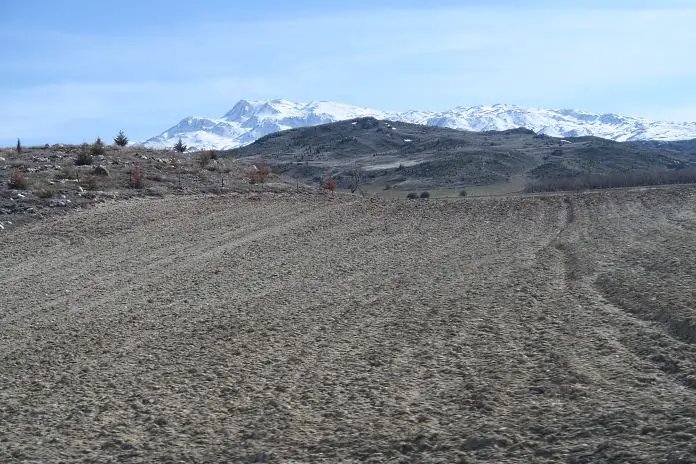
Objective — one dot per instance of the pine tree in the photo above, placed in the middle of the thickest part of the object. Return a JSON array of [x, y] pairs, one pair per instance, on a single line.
[[121, 140], [19, 147], [180, 147]]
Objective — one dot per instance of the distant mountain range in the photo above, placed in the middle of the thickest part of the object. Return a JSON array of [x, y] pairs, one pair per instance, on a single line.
[[248, 121]]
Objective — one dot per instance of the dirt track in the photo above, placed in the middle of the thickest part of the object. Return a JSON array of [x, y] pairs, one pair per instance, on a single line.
[[286, 329]]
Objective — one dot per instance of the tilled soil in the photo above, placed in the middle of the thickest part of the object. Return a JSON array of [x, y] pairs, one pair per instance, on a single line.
[[284, 328]]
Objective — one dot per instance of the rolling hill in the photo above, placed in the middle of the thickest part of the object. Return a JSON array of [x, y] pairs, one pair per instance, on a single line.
[[404, 155]]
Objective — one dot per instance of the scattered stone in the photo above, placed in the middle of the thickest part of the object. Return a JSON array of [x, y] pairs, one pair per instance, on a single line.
[[477, 443], [100, 171], [58, 203]]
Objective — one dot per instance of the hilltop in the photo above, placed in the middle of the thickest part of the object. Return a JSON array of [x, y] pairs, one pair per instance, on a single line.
[[404, 156]]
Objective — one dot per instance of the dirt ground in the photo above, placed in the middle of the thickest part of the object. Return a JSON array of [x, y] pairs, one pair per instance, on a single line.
[[297, 329]]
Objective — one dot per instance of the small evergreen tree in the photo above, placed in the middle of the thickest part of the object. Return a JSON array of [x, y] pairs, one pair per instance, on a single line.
[[97, 148], [121, 140], [180, 147], [19, 147]]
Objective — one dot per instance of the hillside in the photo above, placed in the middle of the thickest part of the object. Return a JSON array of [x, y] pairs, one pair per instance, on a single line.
[[53, 180], [248, 120], [406, 156], [290, 328]]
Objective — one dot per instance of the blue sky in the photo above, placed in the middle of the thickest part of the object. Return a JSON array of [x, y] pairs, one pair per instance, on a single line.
[[75, 70]]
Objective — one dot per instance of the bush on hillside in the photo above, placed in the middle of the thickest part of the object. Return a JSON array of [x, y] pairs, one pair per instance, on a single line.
[[17, 181], [97, 148], [84, 156]]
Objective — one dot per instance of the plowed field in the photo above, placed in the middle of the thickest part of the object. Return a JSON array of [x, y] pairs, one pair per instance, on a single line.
[[288, 328]]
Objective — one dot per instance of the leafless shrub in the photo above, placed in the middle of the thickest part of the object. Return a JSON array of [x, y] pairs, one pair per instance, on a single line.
[[330, 184], [137, 177], [355, 178]]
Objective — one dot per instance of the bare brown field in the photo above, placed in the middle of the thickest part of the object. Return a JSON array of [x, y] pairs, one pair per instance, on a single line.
[[295, 329]]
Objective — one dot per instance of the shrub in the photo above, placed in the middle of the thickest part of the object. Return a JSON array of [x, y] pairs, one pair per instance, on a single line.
[[330, 184], [91, 182], [46, 192], [97, 148], [67, 172], [136, 177], [462, 193], [412, 195], [258, 175], [205, 157], [84, 156], [17, 181], [425, 195], [121, 140]]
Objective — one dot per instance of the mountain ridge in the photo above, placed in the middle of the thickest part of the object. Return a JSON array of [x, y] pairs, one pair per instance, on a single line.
[[249, 120]]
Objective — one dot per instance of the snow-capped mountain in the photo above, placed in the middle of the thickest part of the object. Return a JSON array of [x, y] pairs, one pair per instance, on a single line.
[[247, 121], [250, 120]]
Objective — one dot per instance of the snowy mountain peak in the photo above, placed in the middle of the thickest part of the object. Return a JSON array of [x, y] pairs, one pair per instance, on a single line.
[[248, 120]]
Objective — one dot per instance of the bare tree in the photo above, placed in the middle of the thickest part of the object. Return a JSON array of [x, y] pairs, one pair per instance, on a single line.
[[223, 168], [175, 162], [355, 177]]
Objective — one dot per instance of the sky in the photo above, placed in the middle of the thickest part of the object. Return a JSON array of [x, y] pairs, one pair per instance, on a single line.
[[75, 70]]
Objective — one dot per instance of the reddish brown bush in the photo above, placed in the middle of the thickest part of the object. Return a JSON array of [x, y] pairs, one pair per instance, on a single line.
[[330, 184], [17, 181], [137, 178], [258, 174]]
